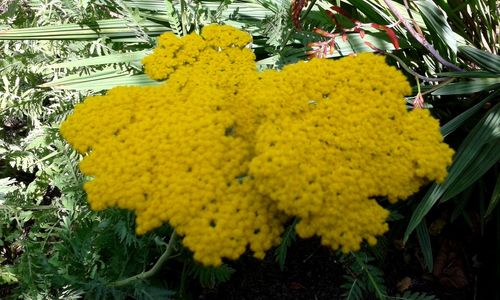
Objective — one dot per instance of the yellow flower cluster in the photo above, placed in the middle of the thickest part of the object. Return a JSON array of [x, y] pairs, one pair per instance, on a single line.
[[340, 135], [227, 155], [174, 54]]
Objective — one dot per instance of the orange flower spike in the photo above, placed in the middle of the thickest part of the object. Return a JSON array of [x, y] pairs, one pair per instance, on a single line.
[[324, 33], [418, 101], [332, 48], [362, 33], [344, 36], [390, 33]]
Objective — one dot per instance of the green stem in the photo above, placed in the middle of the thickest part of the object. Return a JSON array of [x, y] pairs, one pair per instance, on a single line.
[[146, 274], [418, 84], [184, 17]]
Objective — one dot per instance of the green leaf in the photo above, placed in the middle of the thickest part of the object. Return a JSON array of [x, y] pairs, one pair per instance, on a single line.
[[172, 17], [101, 80], [485, 159], [6, 276], [495, 197], [437, 23], [374, 277], [408, 295], [354, 288], [288, 238], [102, 60], [469, 87], [425, 245], [487, 61], [7, 185], [461, 118], [112, 28], [477, 153], [210, 276], [468, 74], [372, 10]]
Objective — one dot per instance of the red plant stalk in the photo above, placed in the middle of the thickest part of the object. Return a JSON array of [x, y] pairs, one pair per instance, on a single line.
[[297, 6], [419, 37], [324, 48]]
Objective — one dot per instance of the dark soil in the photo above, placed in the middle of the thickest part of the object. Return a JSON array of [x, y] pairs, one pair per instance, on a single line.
[[465, 264], [311, 272]]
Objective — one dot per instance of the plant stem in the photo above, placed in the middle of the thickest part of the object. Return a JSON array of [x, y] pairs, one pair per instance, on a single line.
[[146, 274], [438, 86], [184, 17], [420, 38], [289, 34], [404, 66]]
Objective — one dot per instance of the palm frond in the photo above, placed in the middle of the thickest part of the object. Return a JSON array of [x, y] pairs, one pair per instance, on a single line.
[[115, 29]]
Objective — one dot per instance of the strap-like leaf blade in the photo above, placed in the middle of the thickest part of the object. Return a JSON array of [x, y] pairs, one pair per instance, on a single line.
[[469, 87], [487, 61], [437, 24], [473, 158]]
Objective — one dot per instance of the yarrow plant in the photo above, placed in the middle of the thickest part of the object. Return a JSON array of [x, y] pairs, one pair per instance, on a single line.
[[227, 155]]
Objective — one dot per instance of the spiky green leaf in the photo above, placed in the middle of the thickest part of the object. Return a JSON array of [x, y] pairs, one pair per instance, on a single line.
[[477, 153]]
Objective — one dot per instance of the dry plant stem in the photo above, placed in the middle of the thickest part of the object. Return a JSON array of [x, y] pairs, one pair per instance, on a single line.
[[163, 258], [401, 62], [408, 8], [420, 38]]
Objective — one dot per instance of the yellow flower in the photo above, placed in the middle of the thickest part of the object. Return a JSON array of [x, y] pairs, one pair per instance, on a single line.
[[227, 155]]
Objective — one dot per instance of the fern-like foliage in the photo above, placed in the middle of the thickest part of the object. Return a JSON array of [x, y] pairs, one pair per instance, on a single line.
[[173, 18], [354, 288], [408, 295], [6, 276], [276, 27], [210, 276], [364, 278], [134, 17]]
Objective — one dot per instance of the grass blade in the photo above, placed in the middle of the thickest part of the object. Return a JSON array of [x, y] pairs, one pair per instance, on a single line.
[[485, 159], [101, 80], [102, 60], [437, 24], [469, 74], [487, 61], [495, 197], [460, 119], [469, 87], [425, 245], [112, 28]]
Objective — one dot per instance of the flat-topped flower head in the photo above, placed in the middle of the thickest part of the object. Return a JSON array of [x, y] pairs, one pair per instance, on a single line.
[[227, 155], [338, 136]]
